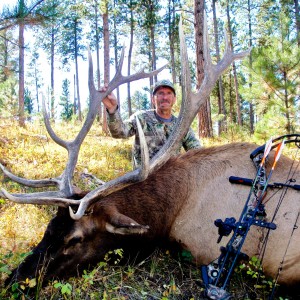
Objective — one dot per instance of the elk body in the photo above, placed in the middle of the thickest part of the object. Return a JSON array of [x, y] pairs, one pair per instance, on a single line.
[[178, 203]]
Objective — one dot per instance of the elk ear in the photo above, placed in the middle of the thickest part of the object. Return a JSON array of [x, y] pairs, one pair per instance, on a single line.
[[121, 224]]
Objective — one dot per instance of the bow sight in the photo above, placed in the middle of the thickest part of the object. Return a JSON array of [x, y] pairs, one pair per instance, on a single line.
[[216, 275]]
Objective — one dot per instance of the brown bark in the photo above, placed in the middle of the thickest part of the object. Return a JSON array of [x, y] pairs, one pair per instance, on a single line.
[[171, 24], [153, 53], [77, 75], [251, 104], [98, 55], [36, 86], [74, 93], [236, 85], [231, 102], [129, 59], [287, 105], [204, 117], [115, 45], [221, 101]]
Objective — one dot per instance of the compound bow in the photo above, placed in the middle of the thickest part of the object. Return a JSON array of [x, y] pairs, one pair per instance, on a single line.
[[217, 274]]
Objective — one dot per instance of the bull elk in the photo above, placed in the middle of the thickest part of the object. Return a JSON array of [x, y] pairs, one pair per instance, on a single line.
[[177, 202]]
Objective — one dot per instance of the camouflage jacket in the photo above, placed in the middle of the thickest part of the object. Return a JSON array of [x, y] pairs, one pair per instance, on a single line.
[[156, 132]]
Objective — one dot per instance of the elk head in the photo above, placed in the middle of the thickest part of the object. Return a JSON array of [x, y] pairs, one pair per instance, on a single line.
[[77, 232]]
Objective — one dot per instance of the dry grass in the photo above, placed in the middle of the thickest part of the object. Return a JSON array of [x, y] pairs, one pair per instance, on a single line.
[[31, 154]]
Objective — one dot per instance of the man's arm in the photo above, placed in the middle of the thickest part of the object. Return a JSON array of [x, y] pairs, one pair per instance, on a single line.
[[190, 141], [117, 127]]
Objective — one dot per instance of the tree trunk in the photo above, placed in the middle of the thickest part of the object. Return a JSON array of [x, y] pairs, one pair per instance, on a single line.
[[21, 74], [153, 53], [221, 101], [297, 21], [129, 58], [171, 25], [77, 74], [204, 116], [36, 85], [106, 58], [116, 54], [236, 86], [52, 72], [251, 101], [74, 92], [98, 56], [287, 105], [231, 102], [151, 83], [6, 70]]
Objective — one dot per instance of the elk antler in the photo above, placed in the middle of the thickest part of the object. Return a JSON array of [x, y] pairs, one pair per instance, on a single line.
[[64, 181], [191, 103]]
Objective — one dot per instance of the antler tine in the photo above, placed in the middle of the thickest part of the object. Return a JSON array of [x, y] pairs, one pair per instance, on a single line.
[[94, 104], [40, 198], [229, 57], [213, 72], [97, 96], [206, 48], [186, 79], [51, 132], [121, 61], [91, 84], [30, 183], [119, 79], [145, 168]]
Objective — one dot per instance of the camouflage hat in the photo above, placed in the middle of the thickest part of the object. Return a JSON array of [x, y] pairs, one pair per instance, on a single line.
[[163, 83]]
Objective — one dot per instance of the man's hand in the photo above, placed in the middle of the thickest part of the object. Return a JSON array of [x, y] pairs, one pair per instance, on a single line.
[[110, 102]]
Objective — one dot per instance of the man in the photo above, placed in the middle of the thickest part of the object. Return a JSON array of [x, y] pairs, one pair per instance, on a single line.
[[157, 124]]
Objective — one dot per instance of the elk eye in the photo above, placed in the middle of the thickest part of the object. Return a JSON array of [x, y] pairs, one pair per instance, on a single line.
[[75, 240]]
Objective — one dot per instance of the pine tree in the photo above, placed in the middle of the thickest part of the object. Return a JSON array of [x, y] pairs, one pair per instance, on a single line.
[[72, 45], [34, 78], [276, 65], [95, 34], [28, 103], [48, 39], [22, 15], [204, 117], [150, 23], [65, 101]]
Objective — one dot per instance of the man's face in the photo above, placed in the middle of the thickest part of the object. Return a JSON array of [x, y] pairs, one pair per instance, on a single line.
[[164, 98]]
